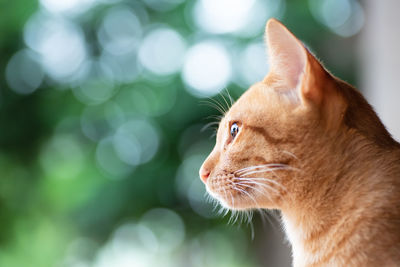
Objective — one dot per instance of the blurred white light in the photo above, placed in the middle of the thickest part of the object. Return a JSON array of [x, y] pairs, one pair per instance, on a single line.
[[132, 256], [167, 226], [335, 12], [124, 67], [210, 245], [191, 188], [66, 6], [207, 69], [222, 16], [344, 17], [260, 12], [60, 43], [354, 24], [62, 157], [96, 83], [128, 148], [253, 64], [108, 2], [23, 73], [152, 242], [162, 51], [136, 142], [163, 5], [114, 115], [109, 161], [79, 252], [120, 31], [129, 236]]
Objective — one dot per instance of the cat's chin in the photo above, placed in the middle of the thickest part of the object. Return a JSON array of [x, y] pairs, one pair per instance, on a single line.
[[224, 202], [231, 203], [234, 206]]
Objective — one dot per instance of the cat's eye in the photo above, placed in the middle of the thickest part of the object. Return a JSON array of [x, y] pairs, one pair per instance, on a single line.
[[234, 130]]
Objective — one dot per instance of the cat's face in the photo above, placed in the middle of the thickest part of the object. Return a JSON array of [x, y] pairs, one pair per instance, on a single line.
[[255, 163], [255, 132]]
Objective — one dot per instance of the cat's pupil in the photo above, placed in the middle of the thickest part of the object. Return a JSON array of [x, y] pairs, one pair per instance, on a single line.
[[234, 130]]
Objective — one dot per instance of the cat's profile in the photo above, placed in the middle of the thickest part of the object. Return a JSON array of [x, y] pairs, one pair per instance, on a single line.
[[306, 143]]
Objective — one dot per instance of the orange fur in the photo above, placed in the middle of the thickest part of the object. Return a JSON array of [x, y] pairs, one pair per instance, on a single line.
[[336, 177]]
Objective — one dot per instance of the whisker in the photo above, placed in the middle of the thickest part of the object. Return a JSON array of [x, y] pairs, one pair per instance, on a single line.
[[251, 197], [248, 184], [280, 165], [261, 179], [215, 117], [226, 196], [230, 97], [213, 134], [256, 189], [232, 199], [222, 108], [213, 105], [290, 154], [240, 216], [249, 214], [267, 214], [227, 105], [208, 125], [234, 217], [225, 109], [268, 170], [263, 213]]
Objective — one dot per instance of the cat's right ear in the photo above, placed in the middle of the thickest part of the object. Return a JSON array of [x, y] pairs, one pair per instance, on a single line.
[[292, 64]]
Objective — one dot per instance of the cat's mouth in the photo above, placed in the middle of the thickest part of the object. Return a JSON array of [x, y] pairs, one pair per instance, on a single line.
[[233, 192], [251, 187]]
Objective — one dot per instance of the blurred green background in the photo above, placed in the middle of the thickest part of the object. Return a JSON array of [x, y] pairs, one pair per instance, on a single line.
[[101, 121]]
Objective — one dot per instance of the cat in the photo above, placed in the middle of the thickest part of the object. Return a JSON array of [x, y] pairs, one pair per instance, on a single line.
[[308, 144]]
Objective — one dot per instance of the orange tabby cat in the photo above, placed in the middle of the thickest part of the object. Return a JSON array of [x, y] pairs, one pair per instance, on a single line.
[[306, 143]]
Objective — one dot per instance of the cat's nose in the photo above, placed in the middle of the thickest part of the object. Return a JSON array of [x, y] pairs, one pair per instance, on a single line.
[[204, 174]]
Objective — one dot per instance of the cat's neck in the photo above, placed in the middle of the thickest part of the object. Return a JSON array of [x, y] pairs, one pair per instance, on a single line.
[[336, 212]]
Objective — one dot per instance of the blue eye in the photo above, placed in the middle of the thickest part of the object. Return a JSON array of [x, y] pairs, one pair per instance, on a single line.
[[234, 130]]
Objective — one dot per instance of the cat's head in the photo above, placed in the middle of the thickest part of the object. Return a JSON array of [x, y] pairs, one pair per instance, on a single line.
[[268, 137]]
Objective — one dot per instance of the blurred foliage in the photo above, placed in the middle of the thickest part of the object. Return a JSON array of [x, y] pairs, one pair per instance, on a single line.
[[101, 118]]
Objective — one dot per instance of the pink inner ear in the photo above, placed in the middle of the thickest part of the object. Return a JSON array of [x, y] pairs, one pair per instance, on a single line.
[[287, 55]]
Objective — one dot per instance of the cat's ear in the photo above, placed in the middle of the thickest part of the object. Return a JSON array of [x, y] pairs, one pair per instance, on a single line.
[[292, 64]]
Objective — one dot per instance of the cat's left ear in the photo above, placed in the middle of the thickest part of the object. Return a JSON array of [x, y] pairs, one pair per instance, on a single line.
[[293, 65]]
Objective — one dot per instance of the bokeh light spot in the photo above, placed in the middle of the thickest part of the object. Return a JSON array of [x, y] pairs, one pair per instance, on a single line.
[[120, 31], [108, 160], [162, 51], [191, 188], [124, 67], [260, 12], [68, 7], [254, 64], [96, 83], [132, 235], [62, 157], [122, 253], [23, 73], [60, 44], [207, 69], [222, 16], [136, 142], [167, 226], [343, 17]]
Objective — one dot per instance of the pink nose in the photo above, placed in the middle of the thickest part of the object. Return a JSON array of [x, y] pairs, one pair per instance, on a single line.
[[204, 174]]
